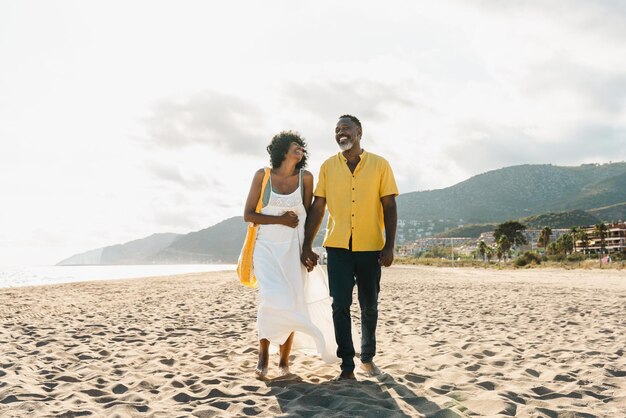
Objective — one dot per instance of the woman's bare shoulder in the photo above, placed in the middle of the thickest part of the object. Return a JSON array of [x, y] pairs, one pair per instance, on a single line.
[[258, 175]]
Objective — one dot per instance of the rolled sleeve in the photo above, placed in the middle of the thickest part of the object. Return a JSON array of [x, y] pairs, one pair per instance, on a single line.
[[388, 186]]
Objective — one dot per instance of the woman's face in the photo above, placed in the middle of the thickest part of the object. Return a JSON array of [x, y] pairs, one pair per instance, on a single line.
[[295, 151]]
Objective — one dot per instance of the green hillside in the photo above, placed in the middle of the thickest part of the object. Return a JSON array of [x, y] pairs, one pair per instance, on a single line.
[[220, 243], [610, 213], [560, 220], [468, 231], [519, 191]]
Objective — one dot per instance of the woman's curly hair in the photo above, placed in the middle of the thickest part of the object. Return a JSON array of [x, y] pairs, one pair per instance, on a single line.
[[280, 144]]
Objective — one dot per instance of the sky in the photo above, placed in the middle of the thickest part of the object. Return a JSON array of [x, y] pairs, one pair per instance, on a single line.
[[122, 119]]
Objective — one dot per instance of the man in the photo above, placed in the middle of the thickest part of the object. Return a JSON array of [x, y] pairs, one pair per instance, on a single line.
[[360, 190]]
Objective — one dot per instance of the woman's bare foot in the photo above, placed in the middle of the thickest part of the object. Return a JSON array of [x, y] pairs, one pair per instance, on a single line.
[[264, 357], [283, 371], [261, 369], [285, 349]]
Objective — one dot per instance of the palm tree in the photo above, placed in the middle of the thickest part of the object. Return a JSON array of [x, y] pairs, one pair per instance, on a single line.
[[552, 249], [583, 237], [544, 238], [482, 249], [565, 244], [489, 253], [504, 246], [601, 230], [575, 232]]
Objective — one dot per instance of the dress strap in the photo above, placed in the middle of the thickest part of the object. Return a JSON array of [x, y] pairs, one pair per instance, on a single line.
[[267, 191]]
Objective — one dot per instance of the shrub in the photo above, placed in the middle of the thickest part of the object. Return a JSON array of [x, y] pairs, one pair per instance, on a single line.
[[520, 261], [575, 257], [619, 256], [528, 257], [557, 257]]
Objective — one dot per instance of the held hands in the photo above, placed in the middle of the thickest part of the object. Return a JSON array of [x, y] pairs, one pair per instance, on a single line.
[[289, 219], [386, 257], [309, 258]]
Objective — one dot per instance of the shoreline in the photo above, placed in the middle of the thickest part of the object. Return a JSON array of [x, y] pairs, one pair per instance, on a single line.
[[26, 276]]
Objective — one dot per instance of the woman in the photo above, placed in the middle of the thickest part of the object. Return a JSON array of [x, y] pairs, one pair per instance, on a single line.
[[294, 306]]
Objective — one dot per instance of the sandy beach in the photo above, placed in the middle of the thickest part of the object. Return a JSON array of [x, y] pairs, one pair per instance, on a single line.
[[453, 343]]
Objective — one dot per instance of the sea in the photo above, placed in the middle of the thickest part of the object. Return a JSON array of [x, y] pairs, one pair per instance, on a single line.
[[19, 276]]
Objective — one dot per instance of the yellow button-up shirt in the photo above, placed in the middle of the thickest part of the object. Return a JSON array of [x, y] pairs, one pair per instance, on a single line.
[[353, 201]]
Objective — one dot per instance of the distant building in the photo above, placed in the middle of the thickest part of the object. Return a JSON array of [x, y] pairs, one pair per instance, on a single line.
[[424, 244], [487, 237], [614, 241]]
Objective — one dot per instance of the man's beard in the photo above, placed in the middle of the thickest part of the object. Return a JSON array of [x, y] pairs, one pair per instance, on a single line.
[[346, 146]]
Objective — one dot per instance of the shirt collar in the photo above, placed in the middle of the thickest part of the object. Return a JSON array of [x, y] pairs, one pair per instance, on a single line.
[[345, 160]]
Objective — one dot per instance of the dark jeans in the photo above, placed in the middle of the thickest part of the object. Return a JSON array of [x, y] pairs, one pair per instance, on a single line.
[[345, 269]]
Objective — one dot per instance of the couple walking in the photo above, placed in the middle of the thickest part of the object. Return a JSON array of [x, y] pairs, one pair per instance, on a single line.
[[298, 307]]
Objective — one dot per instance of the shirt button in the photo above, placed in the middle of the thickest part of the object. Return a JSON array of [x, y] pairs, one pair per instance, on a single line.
[[353, 188]]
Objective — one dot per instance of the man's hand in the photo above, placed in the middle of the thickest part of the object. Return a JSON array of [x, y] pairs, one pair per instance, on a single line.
[[386, 257], [309, 258], [313, 219]]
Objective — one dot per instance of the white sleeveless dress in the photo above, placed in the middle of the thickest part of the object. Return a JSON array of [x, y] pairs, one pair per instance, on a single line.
[[291, 299]]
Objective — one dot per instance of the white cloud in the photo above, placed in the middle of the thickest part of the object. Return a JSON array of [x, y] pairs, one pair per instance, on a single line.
[[216, 120]]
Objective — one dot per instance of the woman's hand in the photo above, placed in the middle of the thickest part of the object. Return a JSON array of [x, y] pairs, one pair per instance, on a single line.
[[289, 219]]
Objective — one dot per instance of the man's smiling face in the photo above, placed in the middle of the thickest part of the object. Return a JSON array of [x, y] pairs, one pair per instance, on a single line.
[[347, 133]]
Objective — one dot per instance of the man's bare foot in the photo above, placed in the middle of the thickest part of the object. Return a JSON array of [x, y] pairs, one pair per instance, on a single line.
[[283, 371], [345, 375], [371, 369]]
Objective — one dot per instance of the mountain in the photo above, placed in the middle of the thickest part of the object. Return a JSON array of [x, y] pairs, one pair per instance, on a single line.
[[220, 243], [513, 193], [610, 213], [541, 195], [519, 191], [560, 220], [139, 251]]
